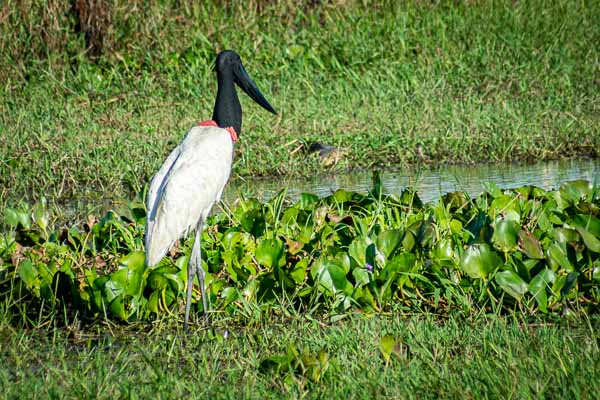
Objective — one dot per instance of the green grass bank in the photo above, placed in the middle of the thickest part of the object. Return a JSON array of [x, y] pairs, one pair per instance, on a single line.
[[92, 111], [303, 358]]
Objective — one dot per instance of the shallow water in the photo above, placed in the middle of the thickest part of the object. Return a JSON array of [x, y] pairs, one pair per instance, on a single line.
[[430, 183]]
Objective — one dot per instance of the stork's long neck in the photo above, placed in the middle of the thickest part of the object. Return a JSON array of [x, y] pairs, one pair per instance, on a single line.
[[228, 110]]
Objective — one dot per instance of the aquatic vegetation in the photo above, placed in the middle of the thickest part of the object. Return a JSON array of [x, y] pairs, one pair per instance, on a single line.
[[524, 249]]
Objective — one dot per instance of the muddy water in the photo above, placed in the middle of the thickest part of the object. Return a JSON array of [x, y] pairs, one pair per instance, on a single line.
[[430, 183]]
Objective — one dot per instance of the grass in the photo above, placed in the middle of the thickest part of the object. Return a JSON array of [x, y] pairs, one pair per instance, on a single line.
[[395, 85], [488, 357]]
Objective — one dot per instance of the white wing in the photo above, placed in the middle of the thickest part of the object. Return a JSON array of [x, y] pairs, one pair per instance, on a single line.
[[185, 188]]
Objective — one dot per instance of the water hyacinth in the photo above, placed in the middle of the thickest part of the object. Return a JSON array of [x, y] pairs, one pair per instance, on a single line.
[[524, 249]]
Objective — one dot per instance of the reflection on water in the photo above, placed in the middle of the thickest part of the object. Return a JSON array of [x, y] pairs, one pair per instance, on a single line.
[[430, 183]]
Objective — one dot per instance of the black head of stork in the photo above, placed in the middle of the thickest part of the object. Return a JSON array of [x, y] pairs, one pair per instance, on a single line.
[[228, 110]]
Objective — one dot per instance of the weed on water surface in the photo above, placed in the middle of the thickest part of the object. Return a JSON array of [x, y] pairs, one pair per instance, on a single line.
[[525, 250]]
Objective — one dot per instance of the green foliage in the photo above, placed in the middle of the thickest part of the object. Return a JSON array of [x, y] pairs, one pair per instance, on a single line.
[[311, 366], [522, 247], [388, 346]]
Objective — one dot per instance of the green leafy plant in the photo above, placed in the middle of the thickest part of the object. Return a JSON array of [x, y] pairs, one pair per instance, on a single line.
[[347, 251]]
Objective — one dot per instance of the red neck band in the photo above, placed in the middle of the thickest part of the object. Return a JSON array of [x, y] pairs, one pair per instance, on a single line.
[[229, 129]]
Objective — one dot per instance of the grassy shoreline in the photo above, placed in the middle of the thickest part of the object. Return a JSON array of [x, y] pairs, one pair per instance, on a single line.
[[455, 358], [393, 85]]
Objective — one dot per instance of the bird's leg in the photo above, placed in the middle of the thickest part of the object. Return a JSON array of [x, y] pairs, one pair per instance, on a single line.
[[195, 267], [200, 271], [192, 266]]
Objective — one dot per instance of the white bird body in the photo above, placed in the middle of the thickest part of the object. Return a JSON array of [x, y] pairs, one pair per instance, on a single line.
[[186, 187]]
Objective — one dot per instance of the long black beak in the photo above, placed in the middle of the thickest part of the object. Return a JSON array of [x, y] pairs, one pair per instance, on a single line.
[[242, 79]]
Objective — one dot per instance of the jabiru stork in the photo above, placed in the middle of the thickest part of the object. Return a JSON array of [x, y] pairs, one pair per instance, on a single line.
[[193, 177]]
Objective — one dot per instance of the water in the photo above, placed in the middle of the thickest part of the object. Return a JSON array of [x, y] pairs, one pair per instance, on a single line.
[[430, 183]]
